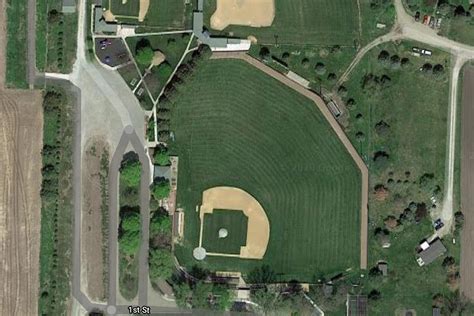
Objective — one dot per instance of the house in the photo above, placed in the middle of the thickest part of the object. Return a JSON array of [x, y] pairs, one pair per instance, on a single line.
[[383, 267], [430, 251], [162, 172], [356, 305], [69, 6]]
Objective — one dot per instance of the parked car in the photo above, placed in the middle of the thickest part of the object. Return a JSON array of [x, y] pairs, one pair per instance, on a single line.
[[426, 19], [417, 16], [438, 224]]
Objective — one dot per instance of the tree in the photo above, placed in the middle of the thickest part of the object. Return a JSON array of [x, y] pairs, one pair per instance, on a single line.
[[160, 224], [305, 62], [261, 275], [161, 264], [383, 57], [130, 172], [129, 242], [164, 71], [320, 68], [54, 16], [421, 212], [332, 77], [380, 159], [395, 61], [144, 55], [438, 70], [264, 53], [160, 189], [161, 155], [382, 128], [131, 222], [360, 136], [267, 299], [200, 295], [459, 220], [405, 62], [285, 55], [374, 295]]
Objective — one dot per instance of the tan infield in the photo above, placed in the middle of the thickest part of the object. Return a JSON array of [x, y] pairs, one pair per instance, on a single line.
[[144, 5], [258, 227], [255, 13]]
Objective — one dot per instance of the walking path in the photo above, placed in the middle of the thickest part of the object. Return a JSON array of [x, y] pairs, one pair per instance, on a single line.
[[337, 129]]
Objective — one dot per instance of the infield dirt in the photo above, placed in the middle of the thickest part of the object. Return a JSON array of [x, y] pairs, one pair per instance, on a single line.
[[21, 131], [255, 13]]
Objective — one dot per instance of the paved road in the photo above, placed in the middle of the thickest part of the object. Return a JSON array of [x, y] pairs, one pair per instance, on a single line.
[[337, 129], [467, 184]]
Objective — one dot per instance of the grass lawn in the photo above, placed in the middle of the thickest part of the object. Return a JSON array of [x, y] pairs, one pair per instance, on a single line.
[[235, 126], [414, 106], [56, 207], [322, 22], [16, 51], [55, 38], [129, 9], [130, 75], [235, 222]]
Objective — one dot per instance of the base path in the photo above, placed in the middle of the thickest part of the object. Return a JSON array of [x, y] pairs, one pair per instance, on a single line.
[[336, 128], [467, 184]]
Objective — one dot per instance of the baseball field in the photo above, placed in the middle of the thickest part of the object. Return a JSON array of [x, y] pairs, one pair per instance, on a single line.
[[235, 126], [321, 22]]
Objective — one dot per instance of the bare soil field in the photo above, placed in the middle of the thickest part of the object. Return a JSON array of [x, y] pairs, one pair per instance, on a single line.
[[255, 13], [94, 205], [21, 126], [467, 184]]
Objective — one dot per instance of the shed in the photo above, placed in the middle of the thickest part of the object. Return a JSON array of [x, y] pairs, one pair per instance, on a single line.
[[162, 172], [430, 254], [69, 6], [383, 267], [436, 311], [100, 25]]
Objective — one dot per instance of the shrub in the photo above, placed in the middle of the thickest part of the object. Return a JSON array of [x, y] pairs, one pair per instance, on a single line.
[[130, 172], [264, 53], [144, 55], [129, 242], [130, 222], [161, 155], [320, 68], [305, 63], [160, 189], [161, 264]]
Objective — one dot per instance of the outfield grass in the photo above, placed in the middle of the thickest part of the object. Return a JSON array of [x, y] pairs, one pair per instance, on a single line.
[[56, 206], [323, 22], [236, 224], [17, 59], [415, 106], [235, 126], [129, 9]]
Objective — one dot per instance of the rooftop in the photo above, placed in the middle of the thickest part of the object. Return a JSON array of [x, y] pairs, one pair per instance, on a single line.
[[430, 254]]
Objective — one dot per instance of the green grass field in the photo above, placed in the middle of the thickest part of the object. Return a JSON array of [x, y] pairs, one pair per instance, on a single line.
[[129, 9], [55, 37], [56, 204], [235, 126], [235, 222], [322, 22], [16, 51], [415, 107]]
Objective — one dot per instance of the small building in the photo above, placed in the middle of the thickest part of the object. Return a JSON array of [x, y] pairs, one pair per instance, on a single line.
[[334, 109], [384, 240], [100, 25], [178, 224], [162, 172], [430, 252], [356, 305], [383, 267], [328, 289], [69, 6], [436, 311]]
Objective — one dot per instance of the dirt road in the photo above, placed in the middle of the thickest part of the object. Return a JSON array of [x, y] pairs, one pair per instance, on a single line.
[[21, 125], [467, 183]]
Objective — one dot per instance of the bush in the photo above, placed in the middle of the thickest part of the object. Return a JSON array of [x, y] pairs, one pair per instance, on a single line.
[[320, 68], [161, 156], [129, 242], [144, 55], [130, 172], [161, 264], [161, 189], [164, 71], [264, 53], [305, 62], [332, 77], [383, 57], [160, 224], [131, 222]]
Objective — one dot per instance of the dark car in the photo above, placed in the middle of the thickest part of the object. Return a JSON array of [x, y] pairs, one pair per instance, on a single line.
[[438, 224], [417, 16]]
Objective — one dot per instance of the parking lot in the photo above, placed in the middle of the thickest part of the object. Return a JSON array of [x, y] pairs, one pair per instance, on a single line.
[[111, 51]]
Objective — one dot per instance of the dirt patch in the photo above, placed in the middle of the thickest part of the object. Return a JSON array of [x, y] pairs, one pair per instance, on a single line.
[[255, 13], [467, 184], [144, 5], [158, 58], [21, 132], [258, 227], [94, 206], [109, 16]]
